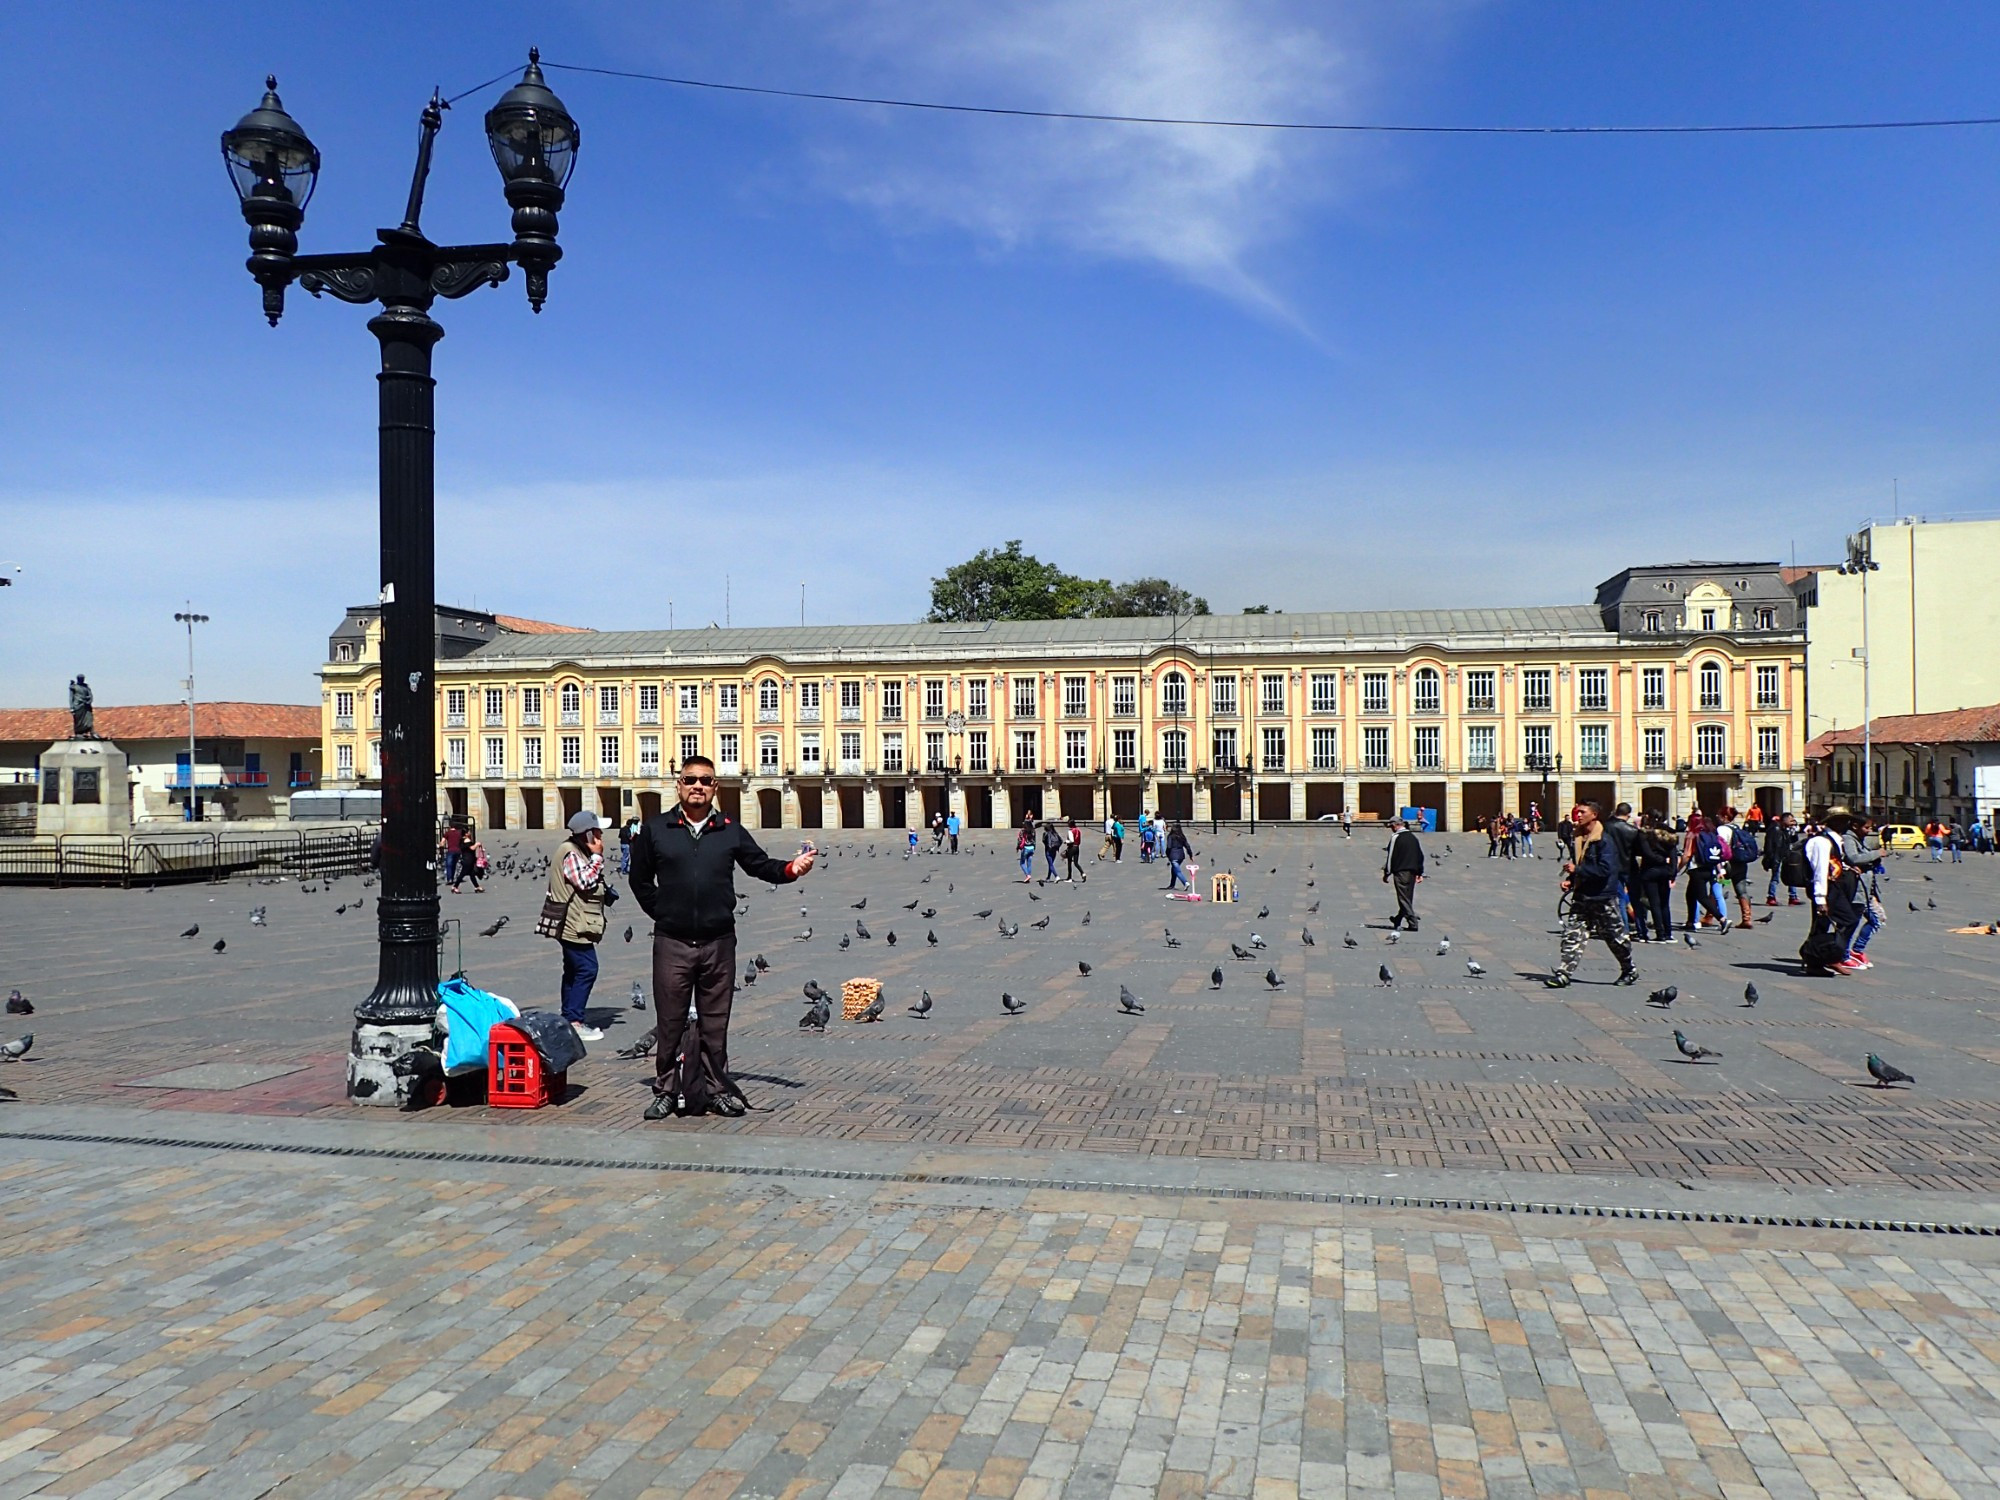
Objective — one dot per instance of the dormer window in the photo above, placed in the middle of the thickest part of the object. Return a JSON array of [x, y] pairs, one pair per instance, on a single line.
[[1652, 622], [1708, 619]]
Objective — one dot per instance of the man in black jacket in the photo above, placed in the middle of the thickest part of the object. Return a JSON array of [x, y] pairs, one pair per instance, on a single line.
[[683, 878], [1404, 865]]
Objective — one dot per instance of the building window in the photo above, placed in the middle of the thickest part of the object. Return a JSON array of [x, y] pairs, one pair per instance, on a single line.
[[1537, 697], [1711, 685], [728, 702], [809, 701], [1222, 695], [1653, 687], [975, 752], [531, 758], [454, 708], [892, 753], [1173, 751], [767, 700], [687, 696], [1375, 747], [531, 705], [649, 703], [1124, 749], [1650, 622], [850, 752], [1076, 697], [343, 762], [1426, 691], [1325, 745], [1323, 692], [1076, 749], [1768, 755], [1479, 742], [1479, 692], [1767, 619], [607, 703], [343, 651], [454, 757], [1767, 687], [934, 760], [496, 707], [1024, 750], [1654, 743], [1025, 697], [892, 700], [1222, 748], [569, 702], [767, 755], [1271, 693], [1374, 692], [728, 752], [496, 757], [1593, 690], [570, 763], [1711, 747], [690, 748], [1708, 619], [608, 754], [1427, 748], [649, 754], [1593, 747], [934, 697], [375, 708], [809, 755], [1124, 696], [343, 710], [850, 700], [975, 697], [1274, 748], [1535, 746], [1173, 696]]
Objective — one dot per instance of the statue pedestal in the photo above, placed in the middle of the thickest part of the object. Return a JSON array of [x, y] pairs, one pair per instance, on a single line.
[[84, 789]]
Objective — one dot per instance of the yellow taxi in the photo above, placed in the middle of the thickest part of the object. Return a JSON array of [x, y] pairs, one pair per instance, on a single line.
[[1901, 836]]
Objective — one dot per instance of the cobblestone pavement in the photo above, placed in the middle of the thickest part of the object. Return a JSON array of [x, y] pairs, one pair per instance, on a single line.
[[176, 1321], [1442, 1070]]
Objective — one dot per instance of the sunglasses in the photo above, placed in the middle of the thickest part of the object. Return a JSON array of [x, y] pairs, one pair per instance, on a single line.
[[697, 781]]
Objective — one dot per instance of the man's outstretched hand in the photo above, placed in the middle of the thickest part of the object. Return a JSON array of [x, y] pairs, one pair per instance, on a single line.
[[803, 861]]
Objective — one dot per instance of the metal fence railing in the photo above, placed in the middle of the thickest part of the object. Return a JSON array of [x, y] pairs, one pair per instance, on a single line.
[[98, 859]]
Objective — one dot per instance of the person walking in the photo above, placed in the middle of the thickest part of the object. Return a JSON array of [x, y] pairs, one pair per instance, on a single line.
[[1073, 853], [1658, 856], [937, 833], [683, 877], [1701, 857], [1739, 842], [454, 850], [1179, 854], [1052, 847], [951, 828], [1346, 824], [475, 866], [1833, 888], [1779, 837], [1590, 879], [577, 885], [1024, 848], [627, 831], [1861, 852], [1403, 867]]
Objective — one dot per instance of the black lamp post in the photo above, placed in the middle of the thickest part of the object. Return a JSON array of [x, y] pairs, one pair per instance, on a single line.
[[274, 167]]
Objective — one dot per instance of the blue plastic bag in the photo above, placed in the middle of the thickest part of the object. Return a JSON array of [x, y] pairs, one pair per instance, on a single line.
[[469, 1014]]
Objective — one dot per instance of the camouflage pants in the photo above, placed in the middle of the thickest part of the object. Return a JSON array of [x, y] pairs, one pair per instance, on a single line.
[[1592, 919]]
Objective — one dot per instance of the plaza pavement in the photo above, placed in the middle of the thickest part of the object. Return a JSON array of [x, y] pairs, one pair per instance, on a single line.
[[1224, 1248]]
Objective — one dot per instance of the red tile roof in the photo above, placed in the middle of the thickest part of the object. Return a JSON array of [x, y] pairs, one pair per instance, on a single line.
[[169, 721], [1792, 575], [519, 625], [1961, 726]]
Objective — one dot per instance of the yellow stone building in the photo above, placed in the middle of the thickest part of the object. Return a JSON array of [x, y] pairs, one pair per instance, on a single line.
[[1679, 686]]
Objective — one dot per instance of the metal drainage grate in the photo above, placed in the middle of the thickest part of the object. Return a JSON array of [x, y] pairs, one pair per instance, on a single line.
[[1041, 1184]]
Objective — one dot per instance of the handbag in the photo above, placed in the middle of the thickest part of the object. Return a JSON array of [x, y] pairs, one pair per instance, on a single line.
[[554, 914]]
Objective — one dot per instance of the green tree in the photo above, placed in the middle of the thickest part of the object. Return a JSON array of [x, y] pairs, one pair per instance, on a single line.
[[1258, 609], [1151, 596], [1008, 584]]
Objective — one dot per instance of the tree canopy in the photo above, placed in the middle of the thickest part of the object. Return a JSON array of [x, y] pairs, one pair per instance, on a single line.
[[1006, 583]]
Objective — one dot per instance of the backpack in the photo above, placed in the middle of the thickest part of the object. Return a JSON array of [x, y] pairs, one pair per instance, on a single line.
[[1795, 870], [1744, 846], [694, 1085], [1594, 877], [1708, 851], [1052, 841]]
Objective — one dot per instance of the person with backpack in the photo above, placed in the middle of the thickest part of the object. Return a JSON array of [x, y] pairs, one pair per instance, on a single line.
[[1739, 841], [684, 865], [1590, 879], [1702, 856], [1779, 837], [1833, 887], [1072, 837], [573, 914], [1179, 854], [1658, 855], [1024, 847], [1052, 847]]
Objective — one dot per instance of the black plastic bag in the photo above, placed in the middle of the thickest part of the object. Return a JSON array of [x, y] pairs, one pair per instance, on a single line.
[[554, 1038]]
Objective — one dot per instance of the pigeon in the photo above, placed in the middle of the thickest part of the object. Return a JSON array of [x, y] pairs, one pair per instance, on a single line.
[[1347, 940], [1749, 994], [812, 991], [923, 1006], [1010, 932], [1930, 903], [845, 942], [1444, 946], [861, 905], [1009, 1004], [1692, 1051], [196, 929], [1306, 937], [1086, 918], [1765, 920], [1392, 936], [874, 1010], [638, 996], [1688, 938], [493, 931], [1311, 883], [1913, 906], [983, 915], [1172, 941], [340, 910], [749, 975], [1274, 979], [628, 932], [1384, 974], [929, 913], [1927, 879], [1263, 912], [927, 879], [1664, 998], [19, 1004], [816, 1018], [1215, 977], [1313, 910], [1257, 940], [1129, 1002], [1474, 968], [220, 944], [861, 929], [763, 964], [1033, 897], [1885, 1073], [803, 937], [931, 938], [1236, 951], [1083, 968], [889, 937], [1043, 923], [911, 905], [17, 1049]]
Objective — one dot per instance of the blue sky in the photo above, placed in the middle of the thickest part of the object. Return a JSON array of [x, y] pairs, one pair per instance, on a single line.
[[796, 342]]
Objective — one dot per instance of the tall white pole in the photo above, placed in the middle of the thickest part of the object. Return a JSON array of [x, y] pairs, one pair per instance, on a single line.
[[1867, 712]]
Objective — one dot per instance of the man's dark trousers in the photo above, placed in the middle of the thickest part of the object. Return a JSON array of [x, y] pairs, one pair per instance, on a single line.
[[1405, 882], [707, 970]]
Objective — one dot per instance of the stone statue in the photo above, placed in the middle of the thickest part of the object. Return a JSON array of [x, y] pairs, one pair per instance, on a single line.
[[83, 720]]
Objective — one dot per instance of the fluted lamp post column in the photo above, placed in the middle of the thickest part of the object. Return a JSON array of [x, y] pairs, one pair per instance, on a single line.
[[274, 167]]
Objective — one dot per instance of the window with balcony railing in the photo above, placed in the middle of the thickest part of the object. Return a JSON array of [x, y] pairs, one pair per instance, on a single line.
[[1480, 748], [1272, 740], [1124, 697], [1222, 697], [1537, 691], [1653, 749], [933, 698], [1375, 748], [1426, 691], [496, 707], [1174, 752], [1427, 748], [1769, 754], [1767, 687], [892, 702], [1593, 690], [1479, 696], [1593, 747], [1710, 686], [1325, 750], [1124, 749], [1374, 692], [1271, 693], [977, 757], [1323, 692], [1076, 697], [1024, 751], [1711, 747], [570, 762], [975, 698], [570, 704]]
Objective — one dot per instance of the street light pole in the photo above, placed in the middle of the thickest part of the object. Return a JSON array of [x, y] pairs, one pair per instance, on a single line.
[[190, 619], [274, 167], [1861, 559]]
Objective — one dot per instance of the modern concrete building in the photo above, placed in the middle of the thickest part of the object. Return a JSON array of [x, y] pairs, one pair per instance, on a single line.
[[1933, 629], [1679, 685], [1926, 766]]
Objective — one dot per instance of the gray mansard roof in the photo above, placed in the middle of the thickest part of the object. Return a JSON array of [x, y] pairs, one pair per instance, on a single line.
[[1393, 629]]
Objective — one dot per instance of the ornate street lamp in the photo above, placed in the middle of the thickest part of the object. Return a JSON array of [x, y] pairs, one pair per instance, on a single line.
[[274, 167]]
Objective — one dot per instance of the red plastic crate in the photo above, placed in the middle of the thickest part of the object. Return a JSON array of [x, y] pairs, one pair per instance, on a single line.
[[515, 1078]]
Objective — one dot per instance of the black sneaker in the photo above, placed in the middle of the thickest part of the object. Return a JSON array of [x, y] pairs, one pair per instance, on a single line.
[[662, 1108], [1629, 976], [730, 1105], [1556, 982]]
